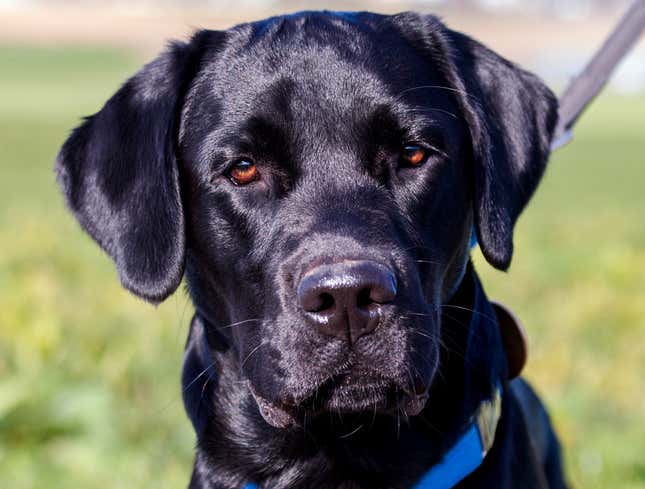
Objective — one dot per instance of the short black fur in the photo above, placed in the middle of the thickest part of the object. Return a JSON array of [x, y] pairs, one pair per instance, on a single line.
[[322, 103]]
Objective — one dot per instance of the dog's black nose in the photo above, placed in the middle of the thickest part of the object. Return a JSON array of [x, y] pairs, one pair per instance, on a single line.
[[346, 299]]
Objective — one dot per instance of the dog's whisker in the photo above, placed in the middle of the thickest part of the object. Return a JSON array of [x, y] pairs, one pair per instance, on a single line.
[[250, 354], [434, 109], [454, 320], [200, 375], [373, 415], [353, 432], [439, 338], [469, 310], [424, 359], [446, 335], [418, 246], [398, 423], [204, 386], [426, 335], [180, 324], [437, 87], [430, 425], [442, 344], [410, 375], [238, 323], [419, 314]]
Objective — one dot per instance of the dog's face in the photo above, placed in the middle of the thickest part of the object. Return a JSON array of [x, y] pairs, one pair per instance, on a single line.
[[329, 209], [319, 176]]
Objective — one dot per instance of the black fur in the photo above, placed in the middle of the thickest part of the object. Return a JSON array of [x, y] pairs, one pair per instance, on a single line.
[[322, 103]]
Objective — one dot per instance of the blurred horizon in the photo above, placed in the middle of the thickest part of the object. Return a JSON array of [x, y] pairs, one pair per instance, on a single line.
[[569, 31]]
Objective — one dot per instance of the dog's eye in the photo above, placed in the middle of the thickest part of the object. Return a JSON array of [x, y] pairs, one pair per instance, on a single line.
[[243, 172], [412, 155]]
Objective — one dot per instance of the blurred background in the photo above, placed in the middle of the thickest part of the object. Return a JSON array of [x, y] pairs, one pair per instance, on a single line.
[[89, 375]]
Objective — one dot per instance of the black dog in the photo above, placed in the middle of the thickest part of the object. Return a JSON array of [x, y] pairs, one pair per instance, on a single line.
[[316, 177]]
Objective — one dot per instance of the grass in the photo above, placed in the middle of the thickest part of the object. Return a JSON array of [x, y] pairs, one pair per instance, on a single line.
[[89, 375]]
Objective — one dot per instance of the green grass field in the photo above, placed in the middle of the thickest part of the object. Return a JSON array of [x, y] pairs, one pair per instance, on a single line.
[[89, 376]]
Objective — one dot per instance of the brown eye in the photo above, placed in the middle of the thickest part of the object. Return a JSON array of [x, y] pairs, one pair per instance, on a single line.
[[413, 155], [244, 172]]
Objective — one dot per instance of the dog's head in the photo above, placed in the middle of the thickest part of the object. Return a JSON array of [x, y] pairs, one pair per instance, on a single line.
[[318, 177]]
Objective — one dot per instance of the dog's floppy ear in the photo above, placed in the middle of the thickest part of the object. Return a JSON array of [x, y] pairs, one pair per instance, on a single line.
[[120, 177], [511, 116]]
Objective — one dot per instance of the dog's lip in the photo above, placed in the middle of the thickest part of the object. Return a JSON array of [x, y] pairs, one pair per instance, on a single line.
[[286, 416], [415, 404], [342, 393], [278, 416], [379, 395]]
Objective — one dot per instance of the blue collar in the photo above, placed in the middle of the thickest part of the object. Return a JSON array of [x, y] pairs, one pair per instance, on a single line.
[[469, 450], [467, 453]]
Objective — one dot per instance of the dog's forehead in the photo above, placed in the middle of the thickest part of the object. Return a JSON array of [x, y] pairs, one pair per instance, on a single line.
[[316, 76], [331, 59]]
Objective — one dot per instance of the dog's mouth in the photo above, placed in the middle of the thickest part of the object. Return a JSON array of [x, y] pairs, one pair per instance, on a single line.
[[347, 393]]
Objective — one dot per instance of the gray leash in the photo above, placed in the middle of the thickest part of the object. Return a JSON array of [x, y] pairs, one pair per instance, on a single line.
[[583, 88]]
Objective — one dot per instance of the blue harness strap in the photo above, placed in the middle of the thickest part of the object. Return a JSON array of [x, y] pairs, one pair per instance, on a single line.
[[469, 450], [462, 459]]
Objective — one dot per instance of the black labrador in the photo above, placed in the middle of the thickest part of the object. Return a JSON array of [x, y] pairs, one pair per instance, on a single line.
[[317, 178]]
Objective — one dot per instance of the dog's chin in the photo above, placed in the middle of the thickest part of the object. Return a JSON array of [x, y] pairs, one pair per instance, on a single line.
[[342, 395]]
